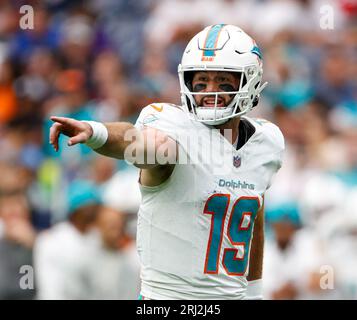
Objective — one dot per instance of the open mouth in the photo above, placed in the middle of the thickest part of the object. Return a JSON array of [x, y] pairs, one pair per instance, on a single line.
[[209, 102]]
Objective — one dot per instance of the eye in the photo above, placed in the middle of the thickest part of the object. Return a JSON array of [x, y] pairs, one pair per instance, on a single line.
[[199, 87]]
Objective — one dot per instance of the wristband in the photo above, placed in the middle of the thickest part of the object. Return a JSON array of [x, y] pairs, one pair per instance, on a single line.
[[99, 136], [254, 290]]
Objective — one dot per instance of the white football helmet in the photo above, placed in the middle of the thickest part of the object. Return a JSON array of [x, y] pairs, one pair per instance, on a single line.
[[226, 48]]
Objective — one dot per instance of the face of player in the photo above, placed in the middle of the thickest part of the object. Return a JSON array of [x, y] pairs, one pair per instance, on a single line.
[[215, 81]]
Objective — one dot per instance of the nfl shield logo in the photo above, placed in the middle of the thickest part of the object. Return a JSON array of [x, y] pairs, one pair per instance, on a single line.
[[237, 161]]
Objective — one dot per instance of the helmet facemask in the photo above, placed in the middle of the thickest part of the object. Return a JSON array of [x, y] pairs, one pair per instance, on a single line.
[[243, 99]]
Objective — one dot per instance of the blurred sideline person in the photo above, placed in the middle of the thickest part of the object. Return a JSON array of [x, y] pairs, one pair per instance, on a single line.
[[201, 222], [115, 269], [17, 236], [63, 253], [293, 258], [338, 232]]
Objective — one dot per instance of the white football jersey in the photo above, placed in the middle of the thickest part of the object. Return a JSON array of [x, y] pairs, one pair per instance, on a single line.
[[195, 229]]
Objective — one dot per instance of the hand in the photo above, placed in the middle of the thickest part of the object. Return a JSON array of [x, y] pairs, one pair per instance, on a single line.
[[78, 131]]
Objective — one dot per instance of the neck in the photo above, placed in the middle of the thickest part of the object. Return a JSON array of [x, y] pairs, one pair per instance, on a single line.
[[229, 129]]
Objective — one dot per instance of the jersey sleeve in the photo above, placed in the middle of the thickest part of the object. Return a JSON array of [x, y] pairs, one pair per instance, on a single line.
[[165, 117], [277, 143], [271, 149]]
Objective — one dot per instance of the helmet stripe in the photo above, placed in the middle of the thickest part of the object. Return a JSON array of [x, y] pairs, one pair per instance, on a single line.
[[212, 40]]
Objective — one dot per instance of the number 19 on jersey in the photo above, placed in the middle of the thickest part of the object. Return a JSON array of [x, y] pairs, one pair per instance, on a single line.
[[239, 232]]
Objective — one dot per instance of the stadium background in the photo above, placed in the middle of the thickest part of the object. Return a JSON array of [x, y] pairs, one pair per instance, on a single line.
[[105, 60]]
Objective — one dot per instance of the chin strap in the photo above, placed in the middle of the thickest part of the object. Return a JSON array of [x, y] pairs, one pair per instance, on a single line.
[[216, 124]]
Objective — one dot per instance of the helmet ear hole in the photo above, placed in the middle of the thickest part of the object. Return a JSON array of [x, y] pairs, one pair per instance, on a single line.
[[255, 102]]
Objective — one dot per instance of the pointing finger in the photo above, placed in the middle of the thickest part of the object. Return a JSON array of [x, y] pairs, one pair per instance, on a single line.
[[66, 121]]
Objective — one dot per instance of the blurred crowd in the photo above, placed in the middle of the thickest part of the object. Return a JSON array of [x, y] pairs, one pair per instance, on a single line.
[[71, 214]]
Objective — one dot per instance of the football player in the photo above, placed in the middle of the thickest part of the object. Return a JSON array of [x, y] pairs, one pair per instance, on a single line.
[[200, 228]]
